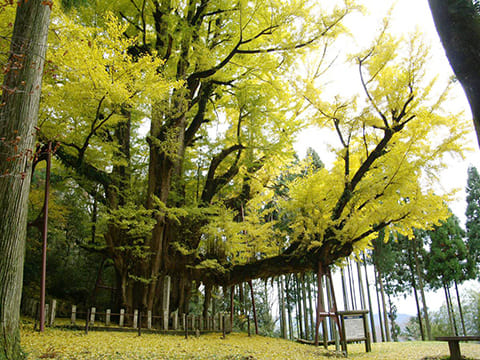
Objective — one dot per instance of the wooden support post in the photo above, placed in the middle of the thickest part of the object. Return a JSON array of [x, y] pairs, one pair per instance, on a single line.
[[122, 317], [135, 318], [92, 316], [107, 317], [165, 320], [368, 345], [53, 312], [334, 310], [175, 320], [74, 314], [149, 319], [454, 348], [47, 311]]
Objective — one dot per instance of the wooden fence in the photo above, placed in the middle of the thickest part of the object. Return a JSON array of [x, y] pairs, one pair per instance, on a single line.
[[146, 320], [173, 321]]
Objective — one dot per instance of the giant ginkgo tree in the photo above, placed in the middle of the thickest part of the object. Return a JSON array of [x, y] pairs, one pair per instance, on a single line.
[[208, 76]]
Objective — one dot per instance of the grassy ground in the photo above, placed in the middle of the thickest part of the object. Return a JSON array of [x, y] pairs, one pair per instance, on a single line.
[[65, 344]]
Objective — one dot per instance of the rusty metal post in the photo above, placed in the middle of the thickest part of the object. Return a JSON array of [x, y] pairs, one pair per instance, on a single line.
[[44, 236]]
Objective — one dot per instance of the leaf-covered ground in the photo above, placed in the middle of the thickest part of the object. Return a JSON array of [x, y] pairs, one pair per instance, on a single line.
[[66, 344]]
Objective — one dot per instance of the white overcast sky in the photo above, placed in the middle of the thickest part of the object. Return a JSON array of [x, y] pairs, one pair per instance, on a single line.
[[407, 16]]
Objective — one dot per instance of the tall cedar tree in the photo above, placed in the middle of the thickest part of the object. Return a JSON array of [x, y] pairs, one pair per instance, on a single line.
[[473, 219]]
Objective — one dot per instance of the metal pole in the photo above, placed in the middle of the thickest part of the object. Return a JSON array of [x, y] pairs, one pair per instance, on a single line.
[[44, 235]]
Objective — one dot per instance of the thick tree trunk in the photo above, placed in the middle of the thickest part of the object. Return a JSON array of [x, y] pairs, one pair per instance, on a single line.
[[207, 300], [459, 30], [18, 117]]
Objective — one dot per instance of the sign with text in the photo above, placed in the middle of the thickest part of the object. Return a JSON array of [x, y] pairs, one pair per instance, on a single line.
[[354, 327]]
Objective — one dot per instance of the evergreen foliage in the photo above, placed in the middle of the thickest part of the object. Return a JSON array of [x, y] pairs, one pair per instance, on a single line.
[[473, 219]]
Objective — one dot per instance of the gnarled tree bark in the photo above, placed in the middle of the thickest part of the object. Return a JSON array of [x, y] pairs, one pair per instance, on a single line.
[[18, 118]]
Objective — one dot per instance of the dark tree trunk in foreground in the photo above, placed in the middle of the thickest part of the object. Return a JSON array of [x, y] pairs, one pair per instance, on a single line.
[[458, 25], [18, 117]]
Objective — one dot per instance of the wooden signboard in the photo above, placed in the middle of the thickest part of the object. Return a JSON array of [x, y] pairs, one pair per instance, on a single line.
[[355, 328]]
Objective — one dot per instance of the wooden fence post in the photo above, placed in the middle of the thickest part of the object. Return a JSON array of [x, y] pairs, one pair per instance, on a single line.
[[175, 320], [135, 318], [165, 320], [122, 317], [200, 323], [53, 312], [149, 319], [107, 317], [74, 314], [47, 311], [92, 316]]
